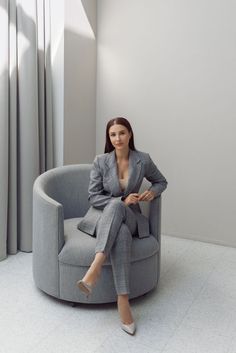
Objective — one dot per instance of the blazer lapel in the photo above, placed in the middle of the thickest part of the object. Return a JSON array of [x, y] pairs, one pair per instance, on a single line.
[[112, 172], [134, 171]]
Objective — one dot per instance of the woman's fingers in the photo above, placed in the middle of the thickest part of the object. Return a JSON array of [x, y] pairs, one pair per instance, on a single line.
[[135, 197], [143, 196], [132, 198], [146, 196]]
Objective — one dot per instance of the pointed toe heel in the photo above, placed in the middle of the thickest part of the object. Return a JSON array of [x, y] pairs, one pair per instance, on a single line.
[[130, 329]]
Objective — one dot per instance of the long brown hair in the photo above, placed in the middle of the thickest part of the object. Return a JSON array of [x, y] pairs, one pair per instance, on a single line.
[[120, 121]]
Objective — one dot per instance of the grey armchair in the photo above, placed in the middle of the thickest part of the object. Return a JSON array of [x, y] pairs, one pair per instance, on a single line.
[[62, 253]]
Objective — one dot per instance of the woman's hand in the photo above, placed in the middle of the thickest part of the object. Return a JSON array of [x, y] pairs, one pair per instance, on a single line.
[[131, 199], [147, 195]]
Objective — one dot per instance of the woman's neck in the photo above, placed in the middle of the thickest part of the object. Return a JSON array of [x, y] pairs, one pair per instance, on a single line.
[[122, 155]]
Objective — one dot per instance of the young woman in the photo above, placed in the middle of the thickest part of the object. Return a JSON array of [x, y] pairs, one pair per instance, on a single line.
[[115, 215]]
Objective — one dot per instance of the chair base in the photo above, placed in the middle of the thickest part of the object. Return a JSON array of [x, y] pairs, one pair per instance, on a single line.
[[144, 272]]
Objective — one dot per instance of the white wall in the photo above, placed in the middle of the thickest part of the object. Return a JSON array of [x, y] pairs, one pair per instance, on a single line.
[[170, 68], [80, 81], [73, 63]]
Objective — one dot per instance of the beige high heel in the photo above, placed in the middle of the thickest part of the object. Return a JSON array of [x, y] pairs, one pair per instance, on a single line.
[[130, 329]]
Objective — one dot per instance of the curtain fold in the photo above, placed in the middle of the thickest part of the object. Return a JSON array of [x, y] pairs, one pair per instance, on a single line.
[[26, 120], [12, 137], [4, 126]]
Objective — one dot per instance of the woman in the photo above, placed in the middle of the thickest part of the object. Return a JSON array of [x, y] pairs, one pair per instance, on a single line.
[[115, 215]]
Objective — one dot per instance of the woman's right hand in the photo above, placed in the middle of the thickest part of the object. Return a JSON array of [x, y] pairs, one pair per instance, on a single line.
[[131, 199]]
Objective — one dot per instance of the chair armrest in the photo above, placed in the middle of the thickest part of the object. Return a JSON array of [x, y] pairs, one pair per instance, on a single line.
[[48, 239], [152, 210], [155, 217]]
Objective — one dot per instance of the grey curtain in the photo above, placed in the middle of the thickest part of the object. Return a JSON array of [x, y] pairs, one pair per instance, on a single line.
[[26, 119]]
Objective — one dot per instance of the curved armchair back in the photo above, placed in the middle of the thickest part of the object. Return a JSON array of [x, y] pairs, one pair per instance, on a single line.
[[68, 185]]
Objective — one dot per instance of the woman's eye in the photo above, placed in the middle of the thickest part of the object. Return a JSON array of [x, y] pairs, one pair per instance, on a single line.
[[114, 135]]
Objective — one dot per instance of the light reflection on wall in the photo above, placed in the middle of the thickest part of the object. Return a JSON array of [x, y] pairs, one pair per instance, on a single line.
[[78, 22]]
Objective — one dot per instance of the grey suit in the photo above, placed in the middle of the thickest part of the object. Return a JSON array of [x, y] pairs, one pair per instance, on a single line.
[[109, 219]]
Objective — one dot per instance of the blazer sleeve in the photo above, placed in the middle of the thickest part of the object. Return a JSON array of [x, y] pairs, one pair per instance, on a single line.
[[98, 197], [159, 182]]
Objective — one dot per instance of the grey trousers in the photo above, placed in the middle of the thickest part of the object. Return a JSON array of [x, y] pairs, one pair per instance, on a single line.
[[114, 232]]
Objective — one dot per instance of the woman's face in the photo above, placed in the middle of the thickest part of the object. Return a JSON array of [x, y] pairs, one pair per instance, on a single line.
[[119, 136]]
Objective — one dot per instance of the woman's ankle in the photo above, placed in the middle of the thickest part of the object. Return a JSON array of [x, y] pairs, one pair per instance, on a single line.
[[94, 270], [124, 309], [100, 257], [92, 275]]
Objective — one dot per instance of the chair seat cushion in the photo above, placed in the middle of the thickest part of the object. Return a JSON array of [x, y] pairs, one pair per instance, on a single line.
[[79, 247]]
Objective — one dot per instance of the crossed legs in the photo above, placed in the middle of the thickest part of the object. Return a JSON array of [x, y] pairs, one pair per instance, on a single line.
[[114, 236]]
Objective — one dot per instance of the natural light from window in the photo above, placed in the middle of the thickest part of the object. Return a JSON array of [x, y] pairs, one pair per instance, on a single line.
[[4, 43], [78, 22]]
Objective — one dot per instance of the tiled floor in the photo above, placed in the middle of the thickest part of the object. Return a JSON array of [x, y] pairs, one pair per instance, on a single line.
[[193, 310]]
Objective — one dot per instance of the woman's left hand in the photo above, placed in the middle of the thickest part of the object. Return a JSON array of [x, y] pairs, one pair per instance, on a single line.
[[147, 195]]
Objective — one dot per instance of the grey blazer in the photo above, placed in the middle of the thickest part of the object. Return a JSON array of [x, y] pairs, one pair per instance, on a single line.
[[104, 186]]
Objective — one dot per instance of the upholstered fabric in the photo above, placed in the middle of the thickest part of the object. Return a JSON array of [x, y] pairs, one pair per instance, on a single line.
[[79, 247], [62, 253]]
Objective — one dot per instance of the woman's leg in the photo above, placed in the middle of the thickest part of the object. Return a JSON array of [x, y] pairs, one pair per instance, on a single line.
[[95, 269], [120, 260], [106, 232], [124, 309], [113, 215], [114, 236]]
